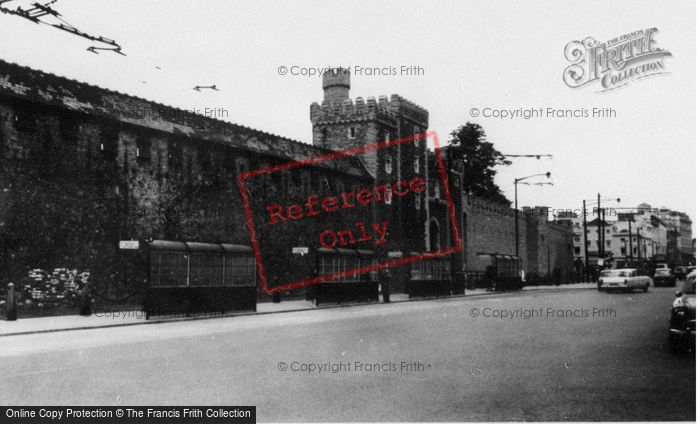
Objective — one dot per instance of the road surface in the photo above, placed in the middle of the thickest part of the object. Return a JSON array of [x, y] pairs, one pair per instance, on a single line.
[[576, 355]]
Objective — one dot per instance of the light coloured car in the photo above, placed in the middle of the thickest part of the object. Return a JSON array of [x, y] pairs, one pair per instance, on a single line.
[[625, 279]]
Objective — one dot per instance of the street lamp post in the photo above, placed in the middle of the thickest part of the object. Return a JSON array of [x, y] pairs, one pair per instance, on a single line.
[[601, 233], [639, 248], [629, 233], [585, 242], [601, 224], [517, 212]]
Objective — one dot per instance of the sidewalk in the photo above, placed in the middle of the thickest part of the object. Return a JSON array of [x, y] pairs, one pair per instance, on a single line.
[[127, 318], [563, 287]]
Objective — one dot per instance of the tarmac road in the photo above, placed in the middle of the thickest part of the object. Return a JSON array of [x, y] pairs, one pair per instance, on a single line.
[[550, 355]]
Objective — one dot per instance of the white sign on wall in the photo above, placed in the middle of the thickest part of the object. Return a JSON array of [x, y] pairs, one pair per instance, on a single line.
[[300, 250], [128, 244]]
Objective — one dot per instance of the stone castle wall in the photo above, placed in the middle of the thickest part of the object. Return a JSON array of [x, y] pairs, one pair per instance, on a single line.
[[76, 179]]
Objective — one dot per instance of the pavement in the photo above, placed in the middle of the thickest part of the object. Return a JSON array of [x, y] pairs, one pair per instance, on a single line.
[[531, 355], [110, 319]]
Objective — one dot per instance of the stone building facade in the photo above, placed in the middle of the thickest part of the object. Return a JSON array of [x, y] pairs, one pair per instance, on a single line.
[[82, 168], [549, 245], [490, 229]]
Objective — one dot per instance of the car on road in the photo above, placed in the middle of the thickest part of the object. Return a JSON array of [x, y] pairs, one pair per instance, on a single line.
[[682, 325], [664, 277], [680, 272], [624, 279]]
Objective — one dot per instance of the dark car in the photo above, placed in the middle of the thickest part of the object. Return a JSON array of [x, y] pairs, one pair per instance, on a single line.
[[682, 327], [664, 277], [680, 272]]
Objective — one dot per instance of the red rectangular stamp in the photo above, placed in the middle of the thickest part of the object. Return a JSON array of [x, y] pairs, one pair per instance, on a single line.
[[373, 200]]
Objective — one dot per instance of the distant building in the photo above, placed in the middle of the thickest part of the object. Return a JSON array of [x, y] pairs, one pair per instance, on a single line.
[[648, 239], [680, 240], [634, 236]]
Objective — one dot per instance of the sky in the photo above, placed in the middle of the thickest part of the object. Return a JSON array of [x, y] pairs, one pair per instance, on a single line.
[[474, 55]]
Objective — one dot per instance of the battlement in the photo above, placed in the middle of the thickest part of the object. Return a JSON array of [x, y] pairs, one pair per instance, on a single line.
[[403, 107], [360, 109], [337, 106], [372, 108]]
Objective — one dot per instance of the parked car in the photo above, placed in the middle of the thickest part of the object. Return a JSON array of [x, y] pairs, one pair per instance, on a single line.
[[682, 326], [625, 279], [680, 272], [664, 277], [662, 265]]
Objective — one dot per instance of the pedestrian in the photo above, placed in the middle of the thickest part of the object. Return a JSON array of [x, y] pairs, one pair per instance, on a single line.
[[385, 278], [10, 303], [490, 277], [556, 275], [85, 300]]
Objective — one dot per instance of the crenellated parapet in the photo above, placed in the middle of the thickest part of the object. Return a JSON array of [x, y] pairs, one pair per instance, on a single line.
[[407, 109], [371, 109]]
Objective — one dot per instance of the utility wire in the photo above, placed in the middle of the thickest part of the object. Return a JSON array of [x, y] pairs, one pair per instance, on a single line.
[[529, 156], [40, 10]]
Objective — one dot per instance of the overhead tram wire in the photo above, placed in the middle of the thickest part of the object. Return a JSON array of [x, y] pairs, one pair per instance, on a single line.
[[158, 68], [40, 10]]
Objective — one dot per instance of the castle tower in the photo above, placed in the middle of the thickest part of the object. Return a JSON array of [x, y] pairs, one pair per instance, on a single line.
[[339, 123]]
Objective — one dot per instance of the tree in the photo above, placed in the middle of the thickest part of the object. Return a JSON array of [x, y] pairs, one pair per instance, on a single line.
[[480, 159]]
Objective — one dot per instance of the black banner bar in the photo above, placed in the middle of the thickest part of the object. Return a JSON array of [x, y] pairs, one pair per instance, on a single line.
[[127, 414]]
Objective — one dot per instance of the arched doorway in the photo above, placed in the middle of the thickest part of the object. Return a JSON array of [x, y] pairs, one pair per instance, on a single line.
[[434, 235]]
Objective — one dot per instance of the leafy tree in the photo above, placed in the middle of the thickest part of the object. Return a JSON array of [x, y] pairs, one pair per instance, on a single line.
[[480, 159]]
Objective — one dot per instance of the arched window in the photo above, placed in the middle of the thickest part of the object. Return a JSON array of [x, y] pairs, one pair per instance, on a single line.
[[388, 164], [324, 186]]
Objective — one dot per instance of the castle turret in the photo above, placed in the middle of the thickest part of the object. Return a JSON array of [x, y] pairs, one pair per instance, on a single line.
[[336, 85]]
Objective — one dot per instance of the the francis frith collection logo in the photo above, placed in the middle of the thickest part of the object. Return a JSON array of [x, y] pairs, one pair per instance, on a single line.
[[615, 63]]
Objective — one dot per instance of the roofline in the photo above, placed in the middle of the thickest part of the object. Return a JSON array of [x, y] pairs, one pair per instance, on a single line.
[[13, 85]]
